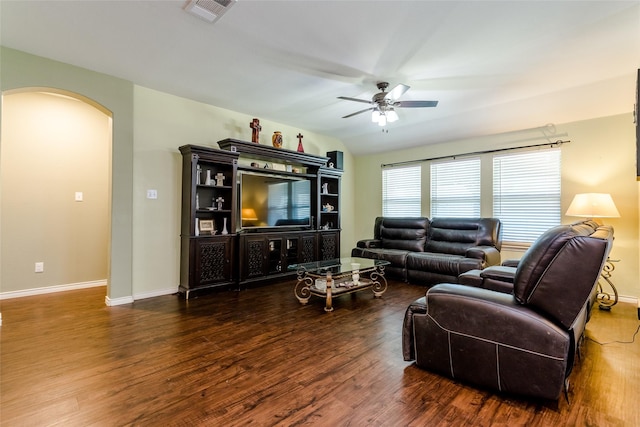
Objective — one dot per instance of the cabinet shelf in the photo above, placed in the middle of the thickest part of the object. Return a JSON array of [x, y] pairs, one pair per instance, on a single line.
[[217, 187], [213, 211]]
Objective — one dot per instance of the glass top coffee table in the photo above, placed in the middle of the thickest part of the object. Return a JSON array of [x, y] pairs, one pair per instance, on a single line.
[[332, 278]]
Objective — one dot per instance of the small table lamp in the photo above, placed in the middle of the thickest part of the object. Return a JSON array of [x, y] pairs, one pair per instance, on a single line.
[[598, 205], [248, 215], [593, 205]]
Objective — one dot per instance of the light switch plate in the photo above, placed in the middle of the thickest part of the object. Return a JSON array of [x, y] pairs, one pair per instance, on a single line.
[[79, 196], [39, 267], [152, 194]]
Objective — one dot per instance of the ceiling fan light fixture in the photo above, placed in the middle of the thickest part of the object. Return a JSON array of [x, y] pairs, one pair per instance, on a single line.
[[392, 116], [375, 116], [382, 120]]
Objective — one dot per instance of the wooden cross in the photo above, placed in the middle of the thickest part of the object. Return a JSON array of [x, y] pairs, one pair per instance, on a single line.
[[300, 147], [219, 200], [219, 179], [255, 130]]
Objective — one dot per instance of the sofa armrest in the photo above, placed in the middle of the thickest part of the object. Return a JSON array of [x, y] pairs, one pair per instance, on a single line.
[[489, 339], [369, 243], [511, 263], [499, 272], [489, 254]]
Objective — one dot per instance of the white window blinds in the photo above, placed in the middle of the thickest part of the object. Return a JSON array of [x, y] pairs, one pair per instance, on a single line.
[[455, 188], [401, 192], [526, 194]]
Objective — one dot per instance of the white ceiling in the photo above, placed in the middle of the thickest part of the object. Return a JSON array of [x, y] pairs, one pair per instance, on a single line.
[[494, 66]]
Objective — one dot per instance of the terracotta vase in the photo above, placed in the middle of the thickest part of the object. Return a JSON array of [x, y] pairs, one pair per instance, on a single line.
[[276, 139]]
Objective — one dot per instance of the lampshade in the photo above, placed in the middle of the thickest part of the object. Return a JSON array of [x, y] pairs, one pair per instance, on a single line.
[[593, 205], [249, 214]]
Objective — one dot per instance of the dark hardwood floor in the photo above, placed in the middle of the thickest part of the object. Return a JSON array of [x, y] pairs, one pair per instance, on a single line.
[[258, 357]]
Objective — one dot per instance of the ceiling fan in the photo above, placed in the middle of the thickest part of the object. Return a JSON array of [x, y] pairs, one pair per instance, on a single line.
[[383, 104]]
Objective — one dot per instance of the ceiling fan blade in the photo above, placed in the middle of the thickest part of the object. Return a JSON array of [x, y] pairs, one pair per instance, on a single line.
[[415, 104], [346, 98], [357, 112], [396, 92]]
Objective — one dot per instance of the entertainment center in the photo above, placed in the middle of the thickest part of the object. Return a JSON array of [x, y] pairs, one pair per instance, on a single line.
[[250, 210]]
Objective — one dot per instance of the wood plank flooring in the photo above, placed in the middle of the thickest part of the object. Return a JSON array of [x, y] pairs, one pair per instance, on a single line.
[[258, 357]]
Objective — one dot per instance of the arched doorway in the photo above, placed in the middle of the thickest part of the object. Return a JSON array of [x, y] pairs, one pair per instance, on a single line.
[[56, 193]]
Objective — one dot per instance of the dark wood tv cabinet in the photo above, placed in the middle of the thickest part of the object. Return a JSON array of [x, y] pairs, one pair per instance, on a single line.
[[216, 251]]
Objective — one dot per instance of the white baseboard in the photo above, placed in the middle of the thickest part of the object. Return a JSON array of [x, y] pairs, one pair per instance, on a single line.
[[117, 301], [143, 295], [156, 293], [631, 300], [52, 289]]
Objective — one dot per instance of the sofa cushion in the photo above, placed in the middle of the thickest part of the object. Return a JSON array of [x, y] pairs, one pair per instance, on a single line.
[[442, 263], [456, 235], [408, 234]]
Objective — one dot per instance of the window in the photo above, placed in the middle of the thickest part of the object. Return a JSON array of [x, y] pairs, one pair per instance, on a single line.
[[455, 188], [401, 192], [526, 194]]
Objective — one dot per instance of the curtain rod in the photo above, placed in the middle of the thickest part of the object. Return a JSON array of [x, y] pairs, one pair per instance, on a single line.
[[475, 153]]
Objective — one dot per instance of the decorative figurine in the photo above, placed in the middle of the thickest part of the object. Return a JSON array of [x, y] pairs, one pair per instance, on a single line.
[[198, 174], [300, 147], [220, 201], [219, 179], [325, 188], [255, 130], [197, 201], [276, 139]]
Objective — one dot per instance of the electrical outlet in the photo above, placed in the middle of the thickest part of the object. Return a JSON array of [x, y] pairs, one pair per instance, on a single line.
[[39, 267]]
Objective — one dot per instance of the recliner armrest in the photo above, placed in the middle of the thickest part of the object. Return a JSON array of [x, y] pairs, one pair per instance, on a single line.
[[489, 254], [369, 243]]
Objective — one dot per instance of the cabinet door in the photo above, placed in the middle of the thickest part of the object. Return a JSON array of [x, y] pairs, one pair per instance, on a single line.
[[329, 245], [308, 249], [254, 258], [212, 260]]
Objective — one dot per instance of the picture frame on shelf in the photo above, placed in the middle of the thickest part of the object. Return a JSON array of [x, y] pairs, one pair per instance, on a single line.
[[207, 227]]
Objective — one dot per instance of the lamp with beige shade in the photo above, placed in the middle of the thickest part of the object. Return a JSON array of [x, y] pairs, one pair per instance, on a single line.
[[596, 206]]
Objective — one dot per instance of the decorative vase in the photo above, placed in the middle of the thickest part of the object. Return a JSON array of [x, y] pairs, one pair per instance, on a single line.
[[224, 227], [197, 231], [276, 139], [208, 181], [198, 173]]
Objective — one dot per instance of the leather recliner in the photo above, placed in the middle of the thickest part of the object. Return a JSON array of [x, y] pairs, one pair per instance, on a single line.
[[523, 342]]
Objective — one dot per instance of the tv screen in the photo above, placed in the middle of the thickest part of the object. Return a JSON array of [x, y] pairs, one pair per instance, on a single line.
[[274, 201]]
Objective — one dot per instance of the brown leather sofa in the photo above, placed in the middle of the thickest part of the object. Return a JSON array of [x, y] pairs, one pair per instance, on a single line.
[[427, 252], [523, 341]]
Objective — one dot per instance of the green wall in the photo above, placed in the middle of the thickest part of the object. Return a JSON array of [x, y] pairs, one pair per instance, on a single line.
[[20, 71]]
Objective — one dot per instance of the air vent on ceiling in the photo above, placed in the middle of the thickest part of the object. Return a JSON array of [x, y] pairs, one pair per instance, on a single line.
[[209, 10]]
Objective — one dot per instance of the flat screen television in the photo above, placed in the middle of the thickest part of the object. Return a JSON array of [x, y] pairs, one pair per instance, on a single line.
[[271, 200]]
